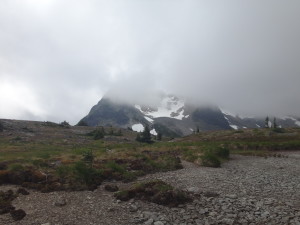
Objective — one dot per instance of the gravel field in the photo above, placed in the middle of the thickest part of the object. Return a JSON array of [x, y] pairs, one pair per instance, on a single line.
[[246, 190]]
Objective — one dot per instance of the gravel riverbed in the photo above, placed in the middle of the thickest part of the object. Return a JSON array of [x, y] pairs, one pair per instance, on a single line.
[[246, 190]]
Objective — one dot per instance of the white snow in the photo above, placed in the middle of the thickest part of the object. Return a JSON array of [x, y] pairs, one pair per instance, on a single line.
[[168, 106], [234, 127], [153, 131], [149, 119], [227, 113], [192, 129], [257, 125], [187, 116], [297, 122], [226, 118], [138, 127]]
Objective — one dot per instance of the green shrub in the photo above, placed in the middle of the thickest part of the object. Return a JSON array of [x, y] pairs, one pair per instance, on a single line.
[[210, 159], [279, 130], [222, 152], [88, 156], [64, 124], [16, 167], [44, 155], [190, 155], [63, 171], [86, 174], [97, 134], [115, 167]]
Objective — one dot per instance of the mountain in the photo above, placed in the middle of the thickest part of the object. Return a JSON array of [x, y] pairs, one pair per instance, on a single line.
[[172, 116]]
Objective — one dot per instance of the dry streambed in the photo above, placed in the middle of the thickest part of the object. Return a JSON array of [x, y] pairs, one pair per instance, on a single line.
[[246, 190]]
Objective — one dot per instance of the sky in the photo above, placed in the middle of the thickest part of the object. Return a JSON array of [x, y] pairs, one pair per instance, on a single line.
[[59, 58]]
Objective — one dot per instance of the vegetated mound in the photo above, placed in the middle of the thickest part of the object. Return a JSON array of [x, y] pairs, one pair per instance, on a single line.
[[155, 191]]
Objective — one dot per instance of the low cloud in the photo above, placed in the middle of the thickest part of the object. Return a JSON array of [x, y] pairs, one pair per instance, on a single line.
[[242, 56]]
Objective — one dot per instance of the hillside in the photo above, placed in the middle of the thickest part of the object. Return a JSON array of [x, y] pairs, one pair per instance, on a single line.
[[173, 117]]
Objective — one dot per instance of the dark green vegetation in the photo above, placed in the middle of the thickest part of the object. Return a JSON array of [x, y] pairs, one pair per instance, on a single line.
[[48, 156], [154, 191]]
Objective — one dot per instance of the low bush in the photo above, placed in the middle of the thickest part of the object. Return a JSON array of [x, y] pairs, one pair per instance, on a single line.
[[86, 174], [209, 159], [16, 167], [155, 191], [222, 152]]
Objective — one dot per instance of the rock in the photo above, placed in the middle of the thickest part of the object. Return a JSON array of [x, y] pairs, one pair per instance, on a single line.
[[232, 196], [133, 208], [60, 202], [158, 223], [149, 222], [210, 194], [111, 188], [22, 191], [5, 207], [193, 190], [18, 214]]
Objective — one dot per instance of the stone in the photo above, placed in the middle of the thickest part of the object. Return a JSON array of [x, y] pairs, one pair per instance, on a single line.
[[158, 223], [22, 191], [60, 202], [18, 214], [111, 188], [149, 221]]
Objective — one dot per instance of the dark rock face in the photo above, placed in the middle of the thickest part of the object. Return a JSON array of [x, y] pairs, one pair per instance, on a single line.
[[108, 113], [18, 214], [212, 119]]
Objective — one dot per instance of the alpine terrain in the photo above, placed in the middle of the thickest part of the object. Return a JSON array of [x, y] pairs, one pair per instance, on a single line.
[[173, 116]]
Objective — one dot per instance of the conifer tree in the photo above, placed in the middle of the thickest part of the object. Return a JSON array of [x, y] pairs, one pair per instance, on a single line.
[[267, 122], [274, 123], [146, 135]]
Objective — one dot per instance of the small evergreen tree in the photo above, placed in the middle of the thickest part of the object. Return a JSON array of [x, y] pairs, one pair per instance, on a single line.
[[267, 122], [146, 135], [98, 134], [1, 127], [274, 123], [138, 137], [159, 136], [197, 130]]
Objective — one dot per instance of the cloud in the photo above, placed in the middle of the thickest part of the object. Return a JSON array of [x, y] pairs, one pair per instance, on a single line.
[[243, 56]]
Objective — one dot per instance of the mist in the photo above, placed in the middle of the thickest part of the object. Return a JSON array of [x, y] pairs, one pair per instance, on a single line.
[[59, 58]]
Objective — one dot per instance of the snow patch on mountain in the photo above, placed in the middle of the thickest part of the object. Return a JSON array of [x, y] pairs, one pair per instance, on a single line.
[[149, 119], [170, 106], [227, 113], [138, 127], [153, 131], [297, 122], [234, 126]]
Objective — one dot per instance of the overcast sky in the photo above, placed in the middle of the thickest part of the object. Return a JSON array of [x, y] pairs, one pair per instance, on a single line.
[[59, 57]]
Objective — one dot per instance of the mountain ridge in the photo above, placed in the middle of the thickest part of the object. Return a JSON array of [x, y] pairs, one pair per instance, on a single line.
[[172, 116]]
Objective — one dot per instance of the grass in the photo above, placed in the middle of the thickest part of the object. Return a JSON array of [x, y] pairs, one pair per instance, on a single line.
[[48, 143]]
